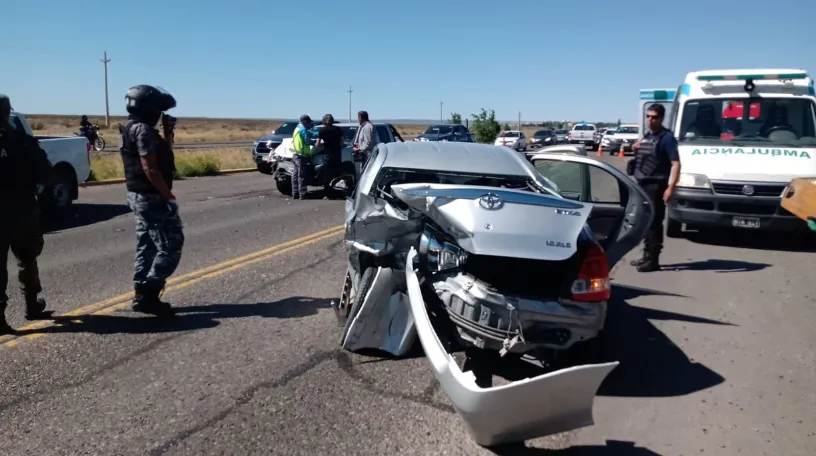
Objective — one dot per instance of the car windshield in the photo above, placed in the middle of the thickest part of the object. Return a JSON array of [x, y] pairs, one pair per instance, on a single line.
[[726, 121], [543, 133], [509, 134], [287, 128], [584, 127], [627, 130], [438, 130], [560, 132]]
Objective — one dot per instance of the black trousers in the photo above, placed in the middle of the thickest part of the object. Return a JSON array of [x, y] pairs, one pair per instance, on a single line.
[[21, 233], [653, 244]]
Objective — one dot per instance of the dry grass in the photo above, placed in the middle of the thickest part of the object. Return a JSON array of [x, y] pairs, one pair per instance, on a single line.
[[189, 163], [188, 129]]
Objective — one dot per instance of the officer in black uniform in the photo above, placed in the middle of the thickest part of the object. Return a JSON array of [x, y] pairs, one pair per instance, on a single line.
[[24, 167], [149, 167], [656, 167]]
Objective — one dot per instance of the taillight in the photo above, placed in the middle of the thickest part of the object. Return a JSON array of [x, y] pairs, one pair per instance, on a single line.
[[88, 153], [569, 135], [592, 284]]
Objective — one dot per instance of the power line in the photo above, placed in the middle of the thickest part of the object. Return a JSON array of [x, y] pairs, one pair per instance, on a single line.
[[105, 60], [350, 92]]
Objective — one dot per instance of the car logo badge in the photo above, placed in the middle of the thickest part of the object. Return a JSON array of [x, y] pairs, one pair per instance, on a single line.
[[490, 201], [747, 190]]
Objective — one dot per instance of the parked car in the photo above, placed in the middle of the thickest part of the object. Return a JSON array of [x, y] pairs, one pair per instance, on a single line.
[[543, 138], [281, 158], [562, 136], [513, 139], [71, 158], [445, 132], [625, 135], [471, 246], [583, 133]]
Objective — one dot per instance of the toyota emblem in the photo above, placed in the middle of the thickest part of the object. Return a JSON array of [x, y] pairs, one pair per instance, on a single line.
[[490, 201], [747, 190]]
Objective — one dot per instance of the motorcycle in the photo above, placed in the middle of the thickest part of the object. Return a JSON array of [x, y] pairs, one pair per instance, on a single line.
[[93, 136]]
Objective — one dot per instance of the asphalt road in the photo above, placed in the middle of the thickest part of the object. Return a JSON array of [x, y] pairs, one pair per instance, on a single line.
[[716, 350]]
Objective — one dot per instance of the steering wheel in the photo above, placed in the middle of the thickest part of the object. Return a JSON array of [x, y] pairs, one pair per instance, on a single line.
[[768, 131]]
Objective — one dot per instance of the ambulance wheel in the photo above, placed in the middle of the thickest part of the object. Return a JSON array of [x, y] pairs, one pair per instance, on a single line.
[[674, 229]]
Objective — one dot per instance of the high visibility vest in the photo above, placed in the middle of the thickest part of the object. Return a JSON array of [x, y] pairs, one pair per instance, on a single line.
[[300, 146]]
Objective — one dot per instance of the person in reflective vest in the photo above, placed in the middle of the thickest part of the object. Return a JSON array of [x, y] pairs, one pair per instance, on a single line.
[[301, 154], [656, 168]]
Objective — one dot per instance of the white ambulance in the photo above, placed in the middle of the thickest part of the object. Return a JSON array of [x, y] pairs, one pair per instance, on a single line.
[[743, 135]]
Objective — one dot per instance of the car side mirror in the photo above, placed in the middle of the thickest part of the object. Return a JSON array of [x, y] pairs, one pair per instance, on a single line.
[[343, 185]]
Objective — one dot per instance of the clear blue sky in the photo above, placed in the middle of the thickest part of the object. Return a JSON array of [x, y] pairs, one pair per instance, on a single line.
[[271, 59]]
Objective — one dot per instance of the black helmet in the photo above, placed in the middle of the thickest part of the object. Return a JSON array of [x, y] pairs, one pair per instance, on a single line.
[[144, 98]]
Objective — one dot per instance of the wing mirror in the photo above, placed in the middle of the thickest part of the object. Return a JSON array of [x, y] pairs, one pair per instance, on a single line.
[[343, 185]]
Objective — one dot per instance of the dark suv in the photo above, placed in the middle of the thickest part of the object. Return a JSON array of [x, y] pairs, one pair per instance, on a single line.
[[543, 138], [445, 132]]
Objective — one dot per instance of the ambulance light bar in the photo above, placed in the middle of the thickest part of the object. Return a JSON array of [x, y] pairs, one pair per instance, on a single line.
[[752, 77]]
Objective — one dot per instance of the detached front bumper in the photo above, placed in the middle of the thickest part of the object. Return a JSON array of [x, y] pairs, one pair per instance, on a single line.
[[703, 207], [556, 402]]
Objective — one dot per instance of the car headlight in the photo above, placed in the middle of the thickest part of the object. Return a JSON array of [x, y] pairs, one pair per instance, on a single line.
[[693, 181], [439, 256]]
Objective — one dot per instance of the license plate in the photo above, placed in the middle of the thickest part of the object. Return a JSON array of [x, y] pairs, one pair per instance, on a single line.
[[745, 222]]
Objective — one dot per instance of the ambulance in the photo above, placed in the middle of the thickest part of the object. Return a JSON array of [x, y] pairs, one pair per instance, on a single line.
[[742, 136]]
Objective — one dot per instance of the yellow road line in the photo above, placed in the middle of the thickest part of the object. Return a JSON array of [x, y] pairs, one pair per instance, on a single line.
[[182, 281]]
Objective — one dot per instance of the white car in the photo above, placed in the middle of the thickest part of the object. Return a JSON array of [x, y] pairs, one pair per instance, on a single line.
[[626, 135], [513, 139]]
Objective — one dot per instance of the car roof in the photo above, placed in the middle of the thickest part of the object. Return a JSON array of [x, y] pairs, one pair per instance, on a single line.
[[352, 124], [471, 158]]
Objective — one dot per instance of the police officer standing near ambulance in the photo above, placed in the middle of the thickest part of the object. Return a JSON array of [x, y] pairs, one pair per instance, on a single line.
[[656, 167], [149, 167], [24, 167]]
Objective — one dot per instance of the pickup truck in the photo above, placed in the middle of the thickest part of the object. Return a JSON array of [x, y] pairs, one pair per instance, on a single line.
[[281, 157], [583, 133], [443, 132], [71, 159]]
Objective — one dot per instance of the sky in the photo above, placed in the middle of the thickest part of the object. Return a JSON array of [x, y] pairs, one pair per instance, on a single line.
[[549, 60]]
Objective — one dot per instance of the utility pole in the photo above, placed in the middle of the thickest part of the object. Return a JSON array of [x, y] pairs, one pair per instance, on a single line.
[[105, 61], [349, 92], [441, 116]]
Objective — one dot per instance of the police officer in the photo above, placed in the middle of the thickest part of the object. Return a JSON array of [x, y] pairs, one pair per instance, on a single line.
[[656, 167], [24, 167], [149, 168]]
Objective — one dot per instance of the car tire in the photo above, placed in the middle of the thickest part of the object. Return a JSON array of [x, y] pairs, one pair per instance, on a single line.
[[59, 196], [364, 285], [284, 185], [674, 229]]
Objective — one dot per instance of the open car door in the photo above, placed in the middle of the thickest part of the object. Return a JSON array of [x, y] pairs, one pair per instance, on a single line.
[[621, 212]]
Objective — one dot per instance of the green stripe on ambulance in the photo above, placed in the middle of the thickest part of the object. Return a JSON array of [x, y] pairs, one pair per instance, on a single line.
[[753, 151]]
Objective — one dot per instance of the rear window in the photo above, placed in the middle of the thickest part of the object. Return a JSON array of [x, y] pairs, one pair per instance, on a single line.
[[584, 128], [560, 132]]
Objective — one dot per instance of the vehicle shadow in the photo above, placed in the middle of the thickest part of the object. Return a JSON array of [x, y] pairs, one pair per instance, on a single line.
[[612, 448], [651, 365], [81, 215], [187, 318], [718, 266], [785, 242]]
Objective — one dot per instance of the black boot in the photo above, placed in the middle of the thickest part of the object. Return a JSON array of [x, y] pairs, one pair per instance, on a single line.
[[4, 326], [639, 261], [35, 308], [146, 299], [651, 263]]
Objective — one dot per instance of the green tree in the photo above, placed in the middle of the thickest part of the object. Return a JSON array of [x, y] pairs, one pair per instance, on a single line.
[[485, 126], [456, 118]]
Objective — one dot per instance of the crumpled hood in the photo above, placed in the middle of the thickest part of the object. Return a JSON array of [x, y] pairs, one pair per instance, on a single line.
[[501, 222]]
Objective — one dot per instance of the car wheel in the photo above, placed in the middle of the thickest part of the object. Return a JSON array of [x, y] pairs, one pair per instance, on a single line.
[[284, 186], [59, 196], [674, 229], [355, 297]]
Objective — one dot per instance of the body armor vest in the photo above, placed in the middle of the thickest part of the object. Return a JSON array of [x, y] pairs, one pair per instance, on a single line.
[[651, 164], [135, 178]]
